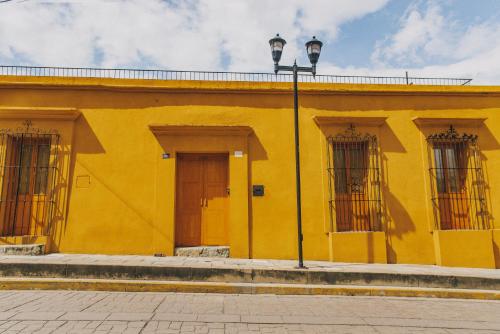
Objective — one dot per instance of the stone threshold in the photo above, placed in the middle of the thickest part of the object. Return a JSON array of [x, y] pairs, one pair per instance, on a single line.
[[27, 249], [203, 251]]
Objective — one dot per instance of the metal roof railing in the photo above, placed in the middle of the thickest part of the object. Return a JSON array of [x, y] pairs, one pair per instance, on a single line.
[[117, 73]]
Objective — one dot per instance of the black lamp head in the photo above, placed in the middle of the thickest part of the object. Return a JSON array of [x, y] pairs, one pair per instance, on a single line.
[[313, 48], [277, 43]]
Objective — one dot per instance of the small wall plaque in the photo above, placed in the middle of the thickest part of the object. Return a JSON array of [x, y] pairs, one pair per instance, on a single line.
[[238, 154], [258, 190], [83, 181], [165, 156]]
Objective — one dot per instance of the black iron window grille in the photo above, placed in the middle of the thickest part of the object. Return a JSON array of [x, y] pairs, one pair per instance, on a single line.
[[457, 181], [354, 182], [28, 167]]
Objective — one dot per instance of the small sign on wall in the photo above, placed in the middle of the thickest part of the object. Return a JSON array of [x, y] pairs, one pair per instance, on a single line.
[[83, 181], [238, 154], [258, 190], [165, 156]]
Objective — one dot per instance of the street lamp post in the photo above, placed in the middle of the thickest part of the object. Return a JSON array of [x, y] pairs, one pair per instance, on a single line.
[[313, 48]]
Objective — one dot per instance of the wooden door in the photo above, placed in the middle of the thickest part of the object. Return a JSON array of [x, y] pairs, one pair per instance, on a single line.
[[214, 212], [202, 200], [189, 199], [26, 186]]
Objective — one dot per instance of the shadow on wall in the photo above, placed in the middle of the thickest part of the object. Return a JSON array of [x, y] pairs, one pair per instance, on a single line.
[[370, 102], [496, 254], [487, 191], [84, 142], [395, 210], [127, 99], [256, 152], [397, 220], [487, 142]]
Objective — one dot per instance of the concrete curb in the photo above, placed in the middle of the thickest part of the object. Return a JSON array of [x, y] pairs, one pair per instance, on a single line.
[[245, 275], [238, 288]]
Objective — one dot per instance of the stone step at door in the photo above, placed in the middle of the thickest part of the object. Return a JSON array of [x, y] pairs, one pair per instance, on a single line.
[[203, 251]]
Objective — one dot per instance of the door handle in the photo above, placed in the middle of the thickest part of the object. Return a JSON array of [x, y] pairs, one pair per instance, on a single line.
[[201, 201]]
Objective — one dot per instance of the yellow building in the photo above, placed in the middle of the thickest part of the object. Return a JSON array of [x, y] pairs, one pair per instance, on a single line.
[[390, 173]]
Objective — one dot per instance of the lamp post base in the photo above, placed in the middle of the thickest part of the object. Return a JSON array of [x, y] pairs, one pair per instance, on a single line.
[[299, 267]]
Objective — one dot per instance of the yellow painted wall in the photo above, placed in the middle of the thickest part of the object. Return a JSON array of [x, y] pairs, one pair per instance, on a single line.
[[361, 247], [473, 248], [119, 197]]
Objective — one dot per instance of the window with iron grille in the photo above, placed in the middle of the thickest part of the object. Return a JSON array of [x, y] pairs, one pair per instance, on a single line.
[[457, 181], [28, 164], [354, 181]]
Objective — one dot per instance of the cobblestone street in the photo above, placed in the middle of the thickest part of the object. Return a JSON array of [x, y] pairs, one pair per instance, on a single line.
[[106, 312]]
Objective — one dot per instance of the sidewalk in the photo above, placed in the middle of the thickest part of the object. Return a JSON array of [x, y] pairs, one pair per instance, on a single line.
[[246, 264], [148, 273]]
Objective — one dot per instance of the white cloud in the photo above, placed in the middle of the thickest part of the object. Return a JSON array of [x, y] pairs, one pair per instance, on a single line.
[[432, 44], [192, 34], [477, 40], [232, 35], [419, 33]]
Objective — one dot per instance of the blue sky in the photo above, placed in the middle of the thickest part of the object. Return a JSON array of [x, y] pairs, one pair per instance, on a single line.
[[450, 38], [358, 38]]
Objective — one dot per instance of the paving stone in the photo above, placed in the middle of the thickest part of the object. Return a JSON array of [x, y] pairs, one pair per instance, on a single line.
[[245, 314], [84, 316], [175, 317], [130, 316], [262, 319], [37, 316], [132, 331], [6, 315], [215, 331], [175, 325], [218, 318], [319, 320]]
